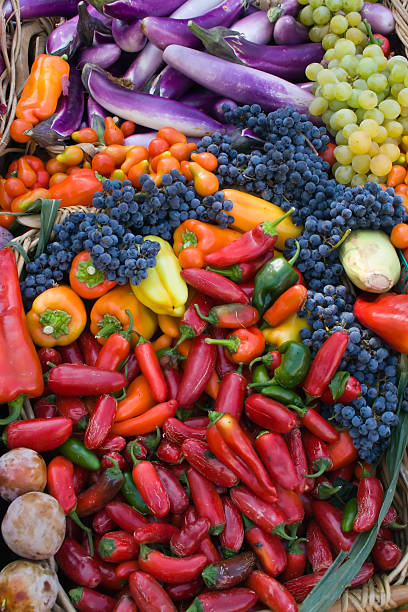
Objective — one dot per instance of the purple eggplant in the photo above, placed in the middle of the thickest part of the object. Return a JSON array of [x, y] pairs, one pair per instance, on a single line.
[[32, 9], [67, 117], [243, 84], [162, 31], [218, 111], [379, 17], [101, 55], [144, 109], [256, 27], [170, 83], [137, 9], [307, 86], [288, 31], [93, 109], [285, 7], [142, 140], [128, 36], [201, 99]]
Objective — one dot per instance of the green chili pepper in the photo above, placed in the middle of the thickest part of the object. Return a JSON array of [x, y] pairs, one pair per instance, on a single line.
[[295, 364], [260, 374], [76, 451], [349, 514], [284, 396], [131, 494], [273, 279]]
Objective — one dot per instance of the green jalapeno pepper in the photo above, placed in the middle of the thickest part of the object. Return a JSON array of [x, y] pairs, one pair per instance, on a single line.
[[284, 396], [76, 451], [349, 514], [295, 364], [260, 375], [131, 493]]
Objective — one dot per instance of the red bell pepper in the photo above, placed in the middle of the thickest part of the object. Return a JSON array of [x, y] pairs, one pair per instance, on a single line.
[[269, 550], [125, 604], [231, 394], [296, 561], [184, 591], [79, 379], [386, 555], [370, 496], [265, 515], [232, 537], [317, 548], [351, 391], [325, 364], [101, 421], [317, 454], [125, 516], [215, 286], [155, 533], [172, 570], [101, 493], [187, 541], [117, 546], [270, 414], [176, 432], [199, 456], [329, 520], [177, 496], [169, 453], [230, 316], [206, 500], [102, 523], [72, 408], [148, 594], [272, 593], [38, 434], [75, 562], [88, 600], [200, 365], [150, 367], [89, 347], [298, 454], [71, 353], [244, 271], [149, 485], [242, 345], [192, 325], [275, 456], [229, 600]]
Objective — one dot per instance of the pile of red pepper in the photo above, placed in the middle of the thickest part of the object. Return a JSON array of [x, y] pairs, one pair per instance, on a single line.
[[188, 479]]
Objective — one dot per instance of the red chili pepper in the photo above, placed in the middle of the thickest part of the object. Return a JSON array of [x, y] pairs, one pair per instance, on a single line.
[[109, 581], [229, 572], [386, 555], [370, 496], [139, 450], [112, 442], [90, 347], [269, 549], [101, 493], [265, 515], [296, 561], [317, 548], [79, 379], [214, 286], [351, 391], [191, 324], [80, 478], [317, 454], [301, 587], [249, 246], [117, 546], [390, 519], [325, 364], [232, 537], [298, 454], [101, 421], [113, 352], [148, 594], [271, 592], [87, 600], [176, 432], [228, 600], [231, 394], [171, 569], [173, 377], [155, 533], [48, 354], [329, 519], [345, 473], [44, 409], [184, 591], [200, 365], [72, 408], [317, 424], [125, 604], [271, 360], [177, 496], [188, 540], [206, 500], [126, 517], [270, 414], [230, 316], [120, 460], [102, 523], [169, 453], [148, 483], [75, 562], [208, 549], [150, 367], [71, 353], [383, 42], [365, 573], [123, 570], [38, 434], [242, 345], [200, 457], [131, 369], [223, 364], [291, 505], [275, 456], [245, 271]]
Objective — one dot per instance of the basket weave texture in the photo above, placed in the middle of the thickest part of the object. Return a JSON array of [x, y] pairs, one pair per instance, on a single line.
[[400, 11]]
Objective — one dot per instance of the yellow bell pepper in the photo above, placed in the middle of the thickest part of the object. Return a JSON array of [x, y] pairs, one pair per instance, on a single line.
[[288, 330], [249, 210], [163, 291]]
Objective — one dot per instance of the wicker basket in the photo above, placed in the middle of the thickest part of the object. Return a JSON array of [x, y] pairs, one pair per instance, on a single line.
[[400, 11]]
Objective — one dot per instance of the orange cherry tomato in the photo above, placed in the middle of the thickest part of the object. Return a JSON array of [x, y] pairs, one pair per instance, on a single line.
[[56, 178], [185, 170], [328, 154], [205, 182], [401, 189], [113, 134], [206, 160], [136, 172], [182, 150], [128, 128], [25, 173], [103, 164], [6, 220], [118, 175], [157, 146], [15, 187], [171, 135], [399, 236], [85, 135], [134, 156], [17, 129], [118, 153], [166, 164], [72, 169], [396, 176], [53, 166], [190, 257]]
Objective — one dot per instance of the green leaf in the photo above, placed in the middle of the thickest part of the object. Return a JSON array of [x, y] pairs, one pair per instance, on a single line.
[[337, 578], [88, 274], [189, 240], [216, 529], [49, 209], [210, 575], [76, 595], [98, 125], [338, 384]]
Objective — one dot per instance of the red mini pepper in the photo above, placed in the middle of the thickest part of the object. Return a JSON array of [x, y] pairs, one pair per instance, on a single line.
[[112, 443], [230, 316], [370, 496], [102, 523], [106, 460], [44, 409], [117, 546], [48, 354], [270, 414], [265, 515], [269, 550], [317, 424], [301, 587], [291, 505], [72, 407], [386, 555], [223, 364], [176, 432], [298, 454], [88, 600], [231, 394], [79, 379], [71, 353], [296, 561], [242, 345], [191, 324], [228, 600], [125, 604], [244, 271], [186, 590], [155, 533], [148, 594], [169, 453], [123, 570], [150, 367], [177, 496], [275, 456], [317, 454], [343, 452], [351, 391], [232, 537], [271, 592], [200, 365], [101, 421], [199, 456], [317, 548], [90, 347], [171, 569], [325, 364], [75, 562], [329, 519], [148, 483], [38, 434], [187, 541], [229, 572], [101, 493], [206, 500], [214, 285], [116, 348], [125, 516]]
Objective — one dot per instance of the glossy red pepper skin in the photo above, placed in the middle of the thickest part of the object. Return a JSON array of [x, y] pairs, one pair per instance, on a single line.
[[351, 391], [126, 517], [271, 592], [38, 434], [80, 479], [150, 367], [123, 570], [318, 425], [131, 369], [177, 496], [223, 365], [78, 379], [71, 353], [245, 271], [265, 515], [155, 533], [345, 473], [238, 599], [390, 518], [197, 421], [88, 600], [296, 562], [192, 324], [272, 449], [386, 555], [44, 409], [101, 421], [301, 587], [269, 550], [173, 378], [208, 549], [72, 407], [147, 481], [117, 546], [109, 581], [270, 414], [199, 368], [102, 523], [112, 442], [290, 503], [48, 354], [75, 562], [317, 548], [232, 316], [169, 453], [329, 520], [173, 570], [248, 287], [125, 604], [206, 500], [298, 454], [370, 496], [198, 455], [176, 432], [317, 453], [325, 364], [148, 594], [90, 347], [184, 591], [113, 352], [232, 537], [385, 43], [215, 286], [231, 394], [187, 541], [101, 493]]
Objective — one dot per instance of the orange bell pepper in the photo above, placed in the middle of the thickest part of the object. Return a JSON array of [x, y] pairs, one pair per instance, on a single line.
[[77, 189], [86, 280], [43, 88], [57, 317], [108, 315], [169, 325], [193, 239], [138, 399]]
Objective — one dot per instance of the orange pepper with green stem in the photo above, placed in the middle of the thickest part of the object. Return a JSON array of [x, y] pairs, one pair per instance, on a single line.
[[194, 239], [86, 280], [57, 317], [287, 304], [242, 345], [77, 189]]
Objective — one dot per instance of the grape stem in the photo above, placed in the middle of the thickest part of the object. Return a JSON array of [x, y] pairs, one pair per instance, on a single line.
[[310, 145]]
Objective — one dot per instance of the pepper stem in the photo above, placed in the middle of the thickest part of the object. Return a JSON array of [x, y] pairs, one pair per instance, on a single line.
[[212, 320], [296, 255], [15, 407], [213, 417], [321, 465], [269, 227], [300, 410], [126, 333], [131, 449], [234, 272], [231, 344], [73, 515], [55, 322], [280, 530], [373, 41], [108, 325], [187, 332]]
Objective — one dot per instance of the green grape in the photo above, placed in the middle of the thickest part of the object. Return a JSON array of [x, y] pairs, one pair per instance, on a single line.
[[334, 63], [381, 135], [397, 60], [377, 82], [381, 96], [374, 113], [335, 166], [340, 139], [381, 62], [380, 165], [359, 142], [334, 5], [316, 89], [326, 76], [317, 33], [403, 97], [303, 1], [393, 141], [355, 35], [406, 81], [374, 149], [366, 67], [353, 19], [358, 179], [342, 117], [395, 89], [404, 123], [326, 116], [343, 91], [398, 73], [306, 16], [361, 163], [360, 115], [329, 91], [316, 3], [353, 99], [361, 26], [343, 155], [370, 126], [344, 47], [318, 106], [368, 99], [392, 151], [404, 111], [371, 178], [341, 74], [329, 41], [351, 6], [373, 51], [349, 63], [312, 70], [360, 84], [344, 174], [394, 129], [390, 108], [338, 24], [321, 15], [349, 129], [336, 105]]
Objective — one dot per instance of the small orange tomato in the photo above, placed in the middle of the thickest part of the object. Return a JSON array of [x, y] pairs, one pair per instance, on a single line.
[[134, 156], [53, 166], [85, 135], [206, 160], [155, 160], [328, 154], [117, 152], [191, 257], [17, 129], [6, 220], [136, 172], [58, 177], [128, 128], [15, 187], [399, 236], [182, 150], [171, 135], [157, 146], [166, 164], [113, 134], [103, 164], [185, 170]]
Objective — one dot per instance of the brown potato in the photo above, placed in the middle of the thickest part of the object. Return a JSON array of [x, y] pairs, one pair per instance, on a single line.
[[26, 586], [21, 470], [34, 526]]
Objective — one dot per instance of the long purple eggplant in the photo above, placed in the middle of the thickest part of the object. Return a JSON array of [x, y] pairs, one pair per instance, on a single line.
[[170, 83], [149, 60], [93, 109], [287, 62], [379, 17], [256, 27], [67, 117], [128, 36], [242, 84], [288, 31], [32, 9], [201, 99], [101, 55], [61, 38], [144, 109], [137, 9], [162, 31]]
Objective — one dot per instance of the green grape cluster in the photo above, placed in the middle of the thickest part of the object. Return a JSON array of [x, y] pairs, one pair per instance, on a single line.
[[330, 20]]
